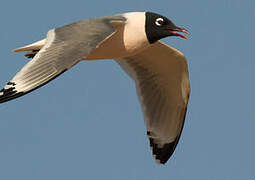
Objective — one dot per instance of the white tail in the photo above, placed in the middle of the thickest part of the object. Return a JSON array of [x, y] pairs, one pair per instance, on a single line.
[[35, 46]]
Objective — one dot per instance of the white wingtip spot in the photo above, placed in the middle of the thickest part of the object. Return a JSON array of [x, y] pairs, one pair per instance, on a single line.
[[8, 86], [157, 160]]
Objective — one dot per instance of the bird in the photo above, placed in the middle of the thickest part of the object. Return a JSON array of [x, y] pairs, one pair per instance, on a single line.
[[132, 39]]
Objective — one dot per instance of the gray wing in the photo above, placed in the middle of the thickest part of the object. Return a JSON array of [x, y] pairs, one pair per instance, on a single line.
[[161, 76], [64, 47]]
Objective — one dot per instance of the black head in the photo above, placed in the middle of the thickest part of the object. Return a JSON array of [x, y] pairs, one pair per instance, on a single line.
[[158, 27]]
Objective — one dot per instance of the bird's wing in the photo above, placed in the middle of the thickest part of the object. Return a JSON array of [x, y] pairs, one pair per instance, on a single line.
[[64, 47], [160, 73]]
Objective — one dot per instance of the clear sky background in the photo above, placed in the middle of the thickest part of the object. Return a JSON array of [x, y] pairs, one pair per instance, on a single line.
[[88, 124]]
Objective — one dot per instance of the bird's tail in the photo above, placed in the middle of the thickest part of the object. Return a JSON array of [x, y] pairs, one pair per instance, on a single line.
[[35, 46], [31, 49]]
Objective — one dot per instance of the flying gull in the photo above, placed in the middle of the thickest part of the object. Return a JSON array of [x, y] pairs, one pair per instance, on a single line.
[[159, 71]]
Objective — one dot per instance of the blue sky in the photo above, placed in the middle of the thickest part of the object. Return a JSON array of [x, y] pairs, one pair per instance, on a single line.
[[88, 124]]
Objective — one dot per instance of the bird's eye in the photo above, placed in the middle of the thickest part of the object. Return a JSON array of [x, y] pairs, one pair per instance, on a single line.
[[159, 21]]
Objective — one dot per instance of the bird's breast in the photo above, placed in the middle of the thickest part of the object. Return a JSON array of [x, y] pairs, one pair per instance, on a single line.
[[128, 40]]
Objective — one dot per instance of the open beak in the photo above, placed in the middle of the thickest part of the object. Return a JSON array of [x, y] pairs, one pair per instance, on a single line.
[[176, 30]]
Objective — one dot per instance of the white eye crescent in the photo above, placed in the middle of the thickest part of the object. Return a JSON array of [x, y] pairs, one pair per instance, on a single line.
[[159, 21]]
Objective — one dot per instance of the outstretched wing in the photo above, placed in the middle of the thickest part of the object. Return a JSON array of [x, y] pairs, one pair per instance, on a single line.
[[160, 73], [64, 47]]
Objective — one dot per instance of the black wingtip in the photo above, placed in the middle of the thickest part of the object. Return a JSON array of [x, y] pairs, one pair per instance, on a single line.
[[164, 153], [10, 93]]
